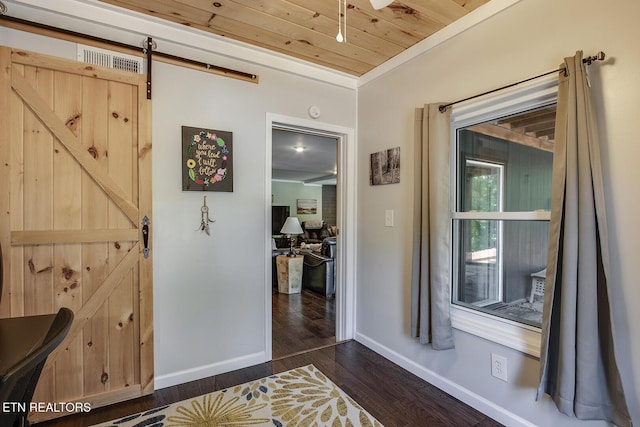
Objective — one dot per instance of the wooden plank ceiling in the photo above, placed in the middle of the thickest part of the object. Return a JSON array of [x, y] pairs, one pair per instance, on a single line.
[[306, 29]]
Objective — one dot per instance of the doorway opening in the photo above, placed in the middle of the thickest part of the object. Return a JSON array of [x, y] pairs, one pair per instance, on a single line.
[[304, 174], [320, 312]]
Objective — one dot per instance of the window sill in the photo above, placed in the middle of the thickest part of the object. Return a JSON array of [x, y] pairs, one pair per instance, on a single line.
[[511, 334]]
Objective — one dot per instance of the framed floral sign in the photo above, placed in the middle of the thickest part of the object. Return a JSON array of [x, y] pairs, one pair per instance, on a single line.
[[207, 160]]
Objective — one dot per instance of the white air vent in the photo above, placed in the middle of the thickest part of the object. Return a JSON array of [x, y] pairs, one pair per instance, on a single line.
[[107, 58]]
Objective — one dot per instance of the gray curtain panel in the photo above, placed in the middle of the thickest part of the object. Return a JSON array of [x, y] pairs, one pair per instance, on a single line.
[[431, 262], [577, 359]]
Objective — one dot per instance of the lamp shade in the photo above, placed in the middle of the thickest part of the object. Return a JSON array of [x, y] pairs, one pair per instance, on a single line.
[[291, 226], [379, 4]]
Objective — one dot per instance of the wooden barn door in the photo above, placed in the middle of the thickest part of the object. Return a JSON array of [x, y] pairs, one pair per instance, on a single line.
[[75, 183]]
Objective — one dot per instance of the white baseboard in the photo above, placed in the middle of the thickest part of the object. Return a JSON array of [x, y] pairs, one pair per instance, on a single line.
[[180, 377], [472, 399]]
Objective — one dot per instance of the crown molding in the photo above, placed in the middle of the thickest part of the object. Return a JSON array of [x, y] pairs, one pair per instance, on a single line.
[[470, 20]]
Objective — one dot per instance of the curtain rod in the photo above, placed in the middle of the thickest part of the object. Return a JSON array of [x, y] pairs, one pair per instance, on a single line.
[[141, 51], [589, 60]]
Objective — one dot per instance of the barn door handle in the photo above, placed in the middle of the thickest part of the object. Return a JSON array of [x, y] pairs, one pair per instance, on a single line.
[[145, 236]]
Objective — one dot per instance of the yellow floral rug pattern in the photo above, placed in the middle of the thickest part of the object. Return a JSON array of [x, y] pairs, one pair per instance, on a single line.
[[301, 397]]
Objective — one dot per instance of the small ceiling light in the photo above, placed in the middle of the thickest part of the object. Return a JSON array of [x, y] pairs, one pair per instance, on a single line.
[[299, 149]]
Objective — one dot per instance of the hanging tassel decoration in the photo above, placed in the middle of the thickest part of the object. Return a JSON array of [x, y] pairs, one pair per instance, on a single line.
[[205, 220]]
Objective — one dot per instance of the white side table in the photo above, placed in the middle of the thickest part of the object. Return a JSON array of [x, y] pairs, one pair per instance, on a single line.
[[289, 274]]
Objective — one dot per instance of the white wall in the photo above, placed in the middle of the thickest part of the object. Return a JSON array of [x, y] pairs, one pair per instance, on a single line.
[[529, 38], [209, 291]]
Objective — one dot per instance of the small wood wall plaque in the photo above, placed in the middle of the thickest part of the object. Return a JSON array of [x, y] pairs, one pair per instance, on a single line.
[[207, 160]]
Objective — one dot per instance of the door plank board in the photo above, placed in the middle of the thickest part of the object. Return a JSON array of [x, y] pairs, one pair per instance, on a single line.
[[97, 299], [94, 137], [146, 262], [16, 207], [44, 237], [119, 395], [74, 67], [71, 143], [37, 191], [122, 314], [6, 179], [67, 214]]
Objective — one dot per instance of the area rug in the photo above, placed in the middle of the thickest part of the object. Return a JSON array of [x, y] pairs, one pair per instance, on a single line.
[[297, 398]]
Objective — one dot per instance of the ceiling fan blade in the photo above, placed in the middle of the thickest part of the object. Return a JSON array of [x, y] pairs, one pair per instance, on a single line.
[[379, 4]]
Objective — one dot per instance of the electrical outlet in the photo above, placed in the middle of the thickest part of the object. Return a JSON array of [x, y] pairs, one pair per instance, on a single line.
[[499, 366]]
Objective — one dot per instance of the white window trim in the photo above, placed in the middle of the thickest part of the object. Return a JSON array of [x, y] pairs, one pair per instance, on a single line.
[[510, 216], [517, 336], [533, 94]]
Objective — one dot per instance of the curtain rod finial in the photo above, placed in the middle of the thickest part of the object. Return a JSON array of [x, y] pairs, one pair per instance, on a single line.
[[597, 57]]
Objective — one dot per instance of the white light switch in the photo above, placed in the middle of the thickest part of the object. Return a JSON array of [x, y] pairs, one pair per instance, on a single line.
[[388, 218]]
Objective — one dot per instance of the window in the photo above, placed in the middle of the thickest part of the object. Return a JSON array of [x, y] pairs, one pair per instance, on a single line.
[[501, 163], [480, 241]]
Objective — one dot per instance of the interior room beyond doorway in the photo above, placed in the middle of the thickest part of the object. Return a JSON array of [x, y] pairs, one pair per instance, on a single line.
[[303, 187]]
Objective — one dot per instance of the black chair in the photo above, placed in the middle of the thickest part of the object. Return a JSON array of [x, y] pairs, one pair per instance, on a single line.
[[319, 270], [18, 383]]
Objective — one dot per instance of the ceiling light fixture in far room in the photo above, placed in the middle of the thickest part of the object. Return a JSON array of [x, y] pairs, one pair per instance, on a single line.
[[379, 4], [299, 149]]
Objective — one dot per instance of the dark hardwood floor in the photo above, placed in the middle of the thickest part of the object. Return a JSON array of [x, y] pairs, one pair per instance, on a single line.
[[301, 322], [391, 394], [307, 321]]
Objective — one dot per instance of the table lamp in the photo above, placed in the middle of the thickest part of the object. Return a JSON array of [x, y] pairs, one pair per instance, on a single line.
[[291, 226]]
